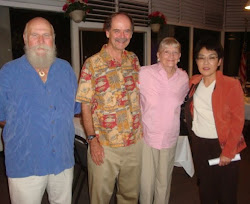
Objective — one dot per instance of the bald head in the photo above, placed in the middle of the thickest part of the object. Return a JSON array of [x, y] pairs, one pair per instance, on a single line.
[[35, 22], [39, 40]]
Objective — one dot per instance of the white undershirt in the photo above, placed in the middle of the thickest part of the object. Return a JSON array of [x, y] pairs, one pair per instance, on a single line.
[[203, 122]]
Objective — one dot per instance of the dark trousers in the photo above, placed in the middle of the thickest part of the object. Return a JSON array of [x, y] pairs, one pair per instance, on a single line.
[[217, 184]]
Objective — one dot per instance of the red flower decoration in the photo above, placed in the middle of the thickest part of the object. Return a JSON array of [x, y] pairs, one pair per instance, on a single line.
[[157, 17]]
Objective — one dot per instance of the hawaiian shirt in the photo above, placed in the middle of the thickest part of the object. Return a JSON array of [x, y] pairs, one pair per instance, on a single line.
[[111, 88]]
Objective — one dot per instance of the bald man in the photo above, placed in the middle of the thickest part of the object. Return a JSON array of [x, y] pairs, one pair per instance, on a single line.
[[37, 102]]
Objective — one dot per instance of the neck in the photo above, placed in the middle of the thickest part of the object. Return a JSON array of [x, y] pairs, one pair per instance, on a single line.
[[115, 54], [208, 80], [43, 73], [170, 71]]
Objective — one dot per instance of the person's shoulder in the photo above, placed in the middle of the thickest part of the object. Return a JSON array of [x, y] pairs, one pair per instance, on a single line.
[[195, 79], [13, 64], [130, 54], [62, 62], [182, 72], [227, 80], [93, 58], [149, 68]]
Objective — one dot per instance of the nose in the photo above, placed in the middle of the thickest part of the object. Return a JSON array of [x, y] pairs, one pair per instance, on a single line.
[[122, 34], [41, 39], [206, 60], [171, 55]]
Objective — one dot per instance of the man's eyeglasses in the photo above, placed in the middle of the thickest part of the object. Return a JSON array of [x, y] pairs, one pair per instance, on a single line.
[[210, 59]]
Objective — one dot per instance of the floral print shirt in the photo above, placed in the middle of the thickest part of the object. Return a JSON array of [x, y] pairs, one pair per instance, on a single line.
[[111, 88]]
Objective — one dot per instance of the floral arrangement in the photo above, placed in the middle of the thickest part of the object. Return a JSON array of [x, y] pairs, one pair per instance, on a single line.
[[72, 5], [157, 17]]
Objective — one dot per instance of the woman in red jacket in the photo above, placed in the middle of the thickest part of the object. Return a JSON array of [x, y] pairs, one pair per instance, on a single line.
[[215, 118]]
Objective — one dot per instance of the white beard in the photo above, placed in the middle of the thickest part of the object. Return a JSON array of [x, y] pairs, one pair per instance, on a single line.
[[40, 61]]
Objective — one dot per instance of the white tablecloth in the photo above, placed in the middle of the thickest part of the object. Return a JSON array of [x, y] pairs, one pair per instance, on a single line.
[[183, 156]]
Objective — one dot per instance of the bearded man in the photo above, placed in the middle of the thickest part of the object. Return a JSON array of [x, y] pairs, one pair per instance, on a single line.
[[37, 102]]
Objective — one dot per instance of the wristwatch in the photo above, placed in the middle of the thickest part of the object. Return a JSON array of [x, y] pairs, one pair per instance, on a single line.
[[91, 137]]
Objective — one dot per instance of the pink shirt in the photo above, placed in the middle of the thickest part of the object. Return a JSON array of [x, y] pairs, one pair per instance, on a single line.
[[161, 99]]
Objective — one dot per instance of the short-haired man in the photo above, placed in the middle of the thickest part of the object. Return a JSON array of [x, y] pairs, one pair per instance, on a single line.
[[37, 101], [109, 93]]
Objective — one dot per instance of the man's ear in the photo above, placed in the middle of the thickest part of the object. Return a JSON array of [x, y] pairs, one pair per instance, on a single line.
[[24, 39], [107, 33]]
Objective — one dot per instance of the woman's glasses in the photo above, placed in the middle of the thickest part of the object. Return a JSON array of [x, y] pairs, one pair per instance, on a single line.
[[211, 59]]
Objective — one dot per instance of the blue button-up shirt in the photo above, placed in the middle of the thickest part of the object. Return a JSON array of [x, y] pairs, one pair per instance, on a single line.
[[39, 131]]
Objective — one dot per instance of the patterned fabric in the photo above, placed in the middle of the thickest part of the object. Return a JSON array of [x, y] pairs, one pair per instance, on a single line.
[[112, 90]]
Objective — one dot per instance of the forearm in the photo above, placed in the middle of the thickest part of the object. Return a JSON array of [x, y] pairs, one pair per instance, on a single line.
[[87, 119], [96, 150]]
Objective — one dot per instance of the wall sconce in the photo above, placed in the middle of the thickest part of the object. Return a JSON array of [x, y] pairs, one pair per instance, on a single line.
[[248, 5]]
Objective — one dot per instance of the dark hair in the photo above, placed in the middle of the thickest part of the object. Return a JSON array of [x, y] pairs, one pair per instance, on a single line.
[[210, 44], [107, 24]]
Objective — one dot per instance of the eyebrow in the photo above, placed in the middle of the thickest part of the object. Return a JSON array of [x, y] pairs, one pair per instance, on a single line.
[[208, 55]]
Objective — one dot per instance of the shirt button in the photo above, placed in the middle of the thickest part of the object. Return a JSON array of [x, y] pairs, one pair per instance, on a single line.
[[52, 121], [53, 151], [50, 106]]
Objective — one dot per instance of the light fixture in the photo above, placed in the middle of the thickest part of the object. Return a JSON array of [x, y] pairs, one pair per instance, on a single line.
[[248, 5]]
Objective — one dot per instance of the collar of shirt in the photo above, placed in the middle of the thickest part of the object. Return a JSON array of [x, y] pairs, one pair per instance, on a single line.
[[163, 72], [109, 60]]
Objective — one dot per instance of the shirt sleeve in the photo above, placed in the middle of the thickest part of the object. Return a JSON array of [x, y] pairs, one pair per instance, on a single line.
[[2, 112], [85, 90], [3, 94], [77, 108], [186, 84]]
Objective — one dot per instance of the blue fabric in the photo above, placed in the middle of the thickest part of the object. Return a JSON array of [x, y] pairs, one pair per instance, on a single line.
[[39, 131]]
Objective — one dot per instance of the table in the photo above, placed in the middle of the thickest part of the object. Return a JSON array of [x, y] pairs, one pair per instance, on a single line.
[[183, 156]]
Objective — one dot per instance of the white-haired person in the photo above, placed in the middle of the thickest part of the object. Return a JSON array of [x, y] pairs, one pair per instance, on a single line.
[[163, 87], [37, 103]]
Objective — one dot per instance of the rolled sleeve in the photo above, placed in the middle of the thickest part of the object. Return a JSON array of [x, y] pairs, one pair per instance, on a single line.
[[85, 90]]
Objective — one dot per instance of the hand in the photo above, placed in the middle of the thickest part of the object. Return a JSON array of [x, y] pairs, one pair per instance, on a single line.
[[96, 151], [224, 160]]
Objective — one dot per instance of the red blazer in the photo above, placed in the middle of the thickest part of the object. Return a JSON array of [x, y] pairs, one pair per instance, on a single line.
[[228, 110]]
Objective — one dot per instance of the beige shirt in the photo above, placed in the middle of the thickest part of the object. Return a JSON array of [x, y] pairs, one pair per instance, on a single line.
[[203, 122]]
